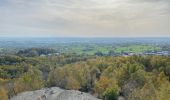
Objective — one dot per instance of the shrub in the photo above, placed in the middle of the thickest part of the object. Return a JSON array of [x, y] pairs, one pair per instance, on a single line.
[[29, 81], [111, 93]]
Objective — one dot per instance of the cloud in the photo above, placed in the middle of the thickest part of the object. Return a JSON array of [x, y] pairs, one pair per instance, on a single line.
[[85, 17], [166, 1]]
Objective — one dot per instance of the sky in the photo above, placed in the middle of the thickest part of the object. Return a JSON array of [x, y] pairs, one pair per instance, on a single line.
[[85, 18]]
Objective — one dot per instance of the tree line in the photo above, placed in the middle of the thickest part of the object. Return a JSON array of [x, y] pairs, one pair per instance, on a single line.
[[133, 78]]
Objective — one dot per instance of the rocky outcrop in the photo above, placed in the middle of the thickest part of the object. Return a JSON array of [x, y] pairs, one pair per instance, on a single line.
[[54, 93]]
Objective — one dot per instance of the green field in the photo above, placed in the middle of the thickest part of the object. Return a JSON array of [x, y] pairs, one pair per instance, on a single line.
[[105, 49], [1, 49], [137, 48]]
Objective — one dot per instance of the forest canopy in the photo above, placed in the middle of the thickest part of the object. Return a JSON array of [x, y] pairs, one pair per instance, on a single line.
[[107, 77]]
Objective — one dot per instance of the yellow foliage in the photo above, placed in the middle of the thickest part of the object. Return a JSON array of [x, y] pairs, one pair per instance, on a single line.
[[72, 84], [164, 92], [3, 94], [102, 84], [29, 81]]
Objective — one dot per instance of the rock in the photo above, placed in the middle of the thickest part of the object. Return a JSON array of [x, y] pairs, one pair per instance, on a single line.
[[121, 98], [54, 93]]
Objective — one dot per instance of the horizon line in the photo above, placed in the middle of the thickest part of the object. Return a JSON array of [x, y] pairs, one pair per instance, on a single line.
[[82, 37]]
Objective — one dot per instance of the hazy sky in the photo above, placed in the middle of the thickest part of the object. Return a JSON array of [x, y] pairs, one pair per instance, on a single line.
[[85, 18]]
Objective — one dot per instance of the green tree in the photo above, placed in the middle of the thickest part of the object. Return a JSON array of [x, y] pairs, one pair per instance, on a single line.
[[31, 80], [111, 93]]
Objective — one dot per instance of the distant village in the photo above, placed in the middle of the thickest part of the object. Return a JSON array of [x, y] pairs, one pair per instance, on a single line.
[[159, 53], [125, 54]]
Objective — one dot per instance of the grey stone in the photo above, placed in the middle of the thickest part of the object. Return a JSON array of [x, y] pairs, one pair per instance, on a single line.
[[54, 93]]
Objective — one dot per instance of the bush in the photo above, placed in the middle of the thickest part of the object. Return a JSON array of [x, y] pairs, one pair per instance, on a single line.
[[111, 93], [29, 81]]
